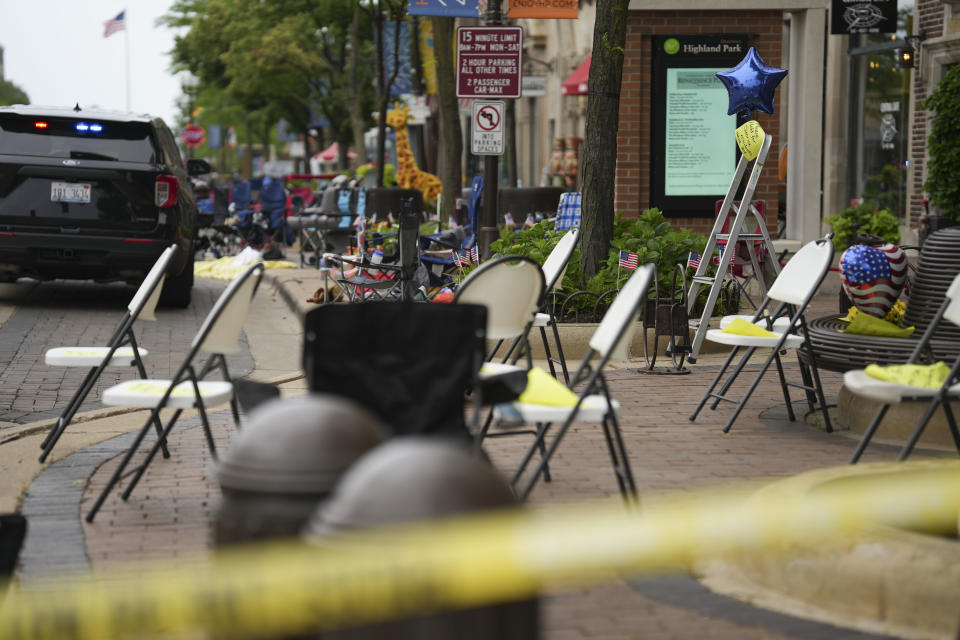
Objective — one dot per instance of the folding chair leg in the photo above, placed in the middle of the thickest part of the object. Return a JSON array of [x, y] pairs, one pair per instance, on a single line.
[[619, 461], [560, 356], [538, 444], [541, 433], [786, 391], [496, 347], [54, 434], [544, 460], [118, 472], [732, 377], [915, 436], [234, 406], [546, 351], [153, 452], [868, 434], [713, 385], [753, 386], [818, 387]]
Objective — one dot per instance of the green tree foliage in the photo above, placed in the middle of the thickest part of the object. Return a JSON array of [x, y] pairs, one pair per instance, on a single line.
[[12, 94], [943, 168], [278, 59]]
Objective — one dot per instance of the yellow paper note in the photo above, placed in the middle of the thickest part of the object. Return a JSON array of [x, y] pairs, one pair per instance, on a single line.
[[750, 138], [741, 327], [544, 389]]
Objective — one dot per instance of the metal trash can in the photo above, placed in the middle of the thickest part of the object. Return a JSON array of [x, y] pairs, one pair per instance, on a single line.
[[289, 456], [417, 478]]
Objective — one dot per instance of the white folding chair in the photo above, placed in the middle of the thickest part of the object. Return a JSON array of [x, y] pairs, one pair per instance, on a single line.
[[594, 404], [511, 288], [793, 289], [554, 268], [862, 384], [121, 349], [218, 336]]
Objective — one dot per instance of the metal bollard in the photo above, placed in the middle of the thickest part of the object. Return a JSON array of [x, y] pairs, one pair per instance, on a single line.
[[289, 457], [416, 478]]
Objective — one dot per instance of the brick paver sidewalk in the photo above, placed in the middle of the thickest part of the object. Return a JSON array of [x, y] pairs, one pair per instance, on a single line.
[[171, 510]]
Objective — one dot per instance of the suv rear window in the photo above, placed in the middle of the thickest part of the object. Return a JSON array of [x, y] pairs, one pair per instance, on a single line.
[[76, 138]]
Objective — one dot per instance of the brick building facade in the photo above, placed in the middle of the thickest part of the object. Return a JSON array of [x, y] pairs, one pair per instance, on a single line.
[[633, 189]]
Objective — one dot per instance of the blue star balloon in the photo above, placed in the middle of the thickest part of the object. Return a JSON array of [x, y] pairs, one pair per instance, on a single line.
[[751, 84]]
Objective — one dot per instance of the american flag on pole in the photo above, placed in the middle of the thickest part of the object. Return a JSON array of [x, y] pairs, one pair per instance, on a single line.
[[693, 260], [457, 260], [113, 25], [474, 254], [628, 260]]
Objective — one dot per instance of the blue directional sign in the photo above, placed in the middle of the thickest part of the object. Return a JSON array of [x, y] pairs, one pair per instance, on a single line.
[[444, 8]]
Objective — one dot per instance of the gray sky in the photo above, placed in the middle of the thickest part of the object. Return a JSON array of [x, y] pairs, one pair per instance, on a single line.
[[55, 51]]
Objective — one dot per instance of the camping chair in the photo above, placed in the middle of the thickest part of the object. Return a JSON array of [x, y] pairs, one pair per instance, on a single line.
[[593, 402], [793, 290], [442, 260], [363, 281], [121, 349], [218, 335], [408, 363], [862, 384], [554, 268], [568, 212]]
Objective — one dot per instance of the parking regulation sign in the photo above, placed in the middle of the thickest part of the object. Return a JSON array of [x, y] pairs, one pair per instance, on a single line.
[[489, 62], [487, 127]]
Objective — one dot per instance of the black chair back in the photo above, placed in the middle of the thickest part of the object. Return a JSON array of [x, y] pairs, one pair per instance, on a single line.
[[408, 363]]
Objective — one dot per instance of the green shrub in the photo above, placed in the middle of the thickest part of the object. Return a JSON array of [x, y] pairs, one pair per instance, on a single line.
[[943, 168], [649, 236], [863, 218]]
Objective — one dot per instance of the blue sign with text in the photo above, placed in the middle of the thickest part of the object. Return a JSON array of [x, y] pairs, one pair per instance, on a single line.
[[444, 8]]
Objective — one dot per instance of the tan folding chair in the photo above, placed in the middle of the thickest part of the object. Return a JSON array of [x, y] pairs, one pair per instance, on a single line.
[[218, 336], [121, 350]]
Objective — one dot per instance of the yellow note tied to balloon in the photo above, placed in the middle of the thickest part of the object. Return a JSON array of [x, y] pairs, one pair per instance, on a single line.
[[750, 138]]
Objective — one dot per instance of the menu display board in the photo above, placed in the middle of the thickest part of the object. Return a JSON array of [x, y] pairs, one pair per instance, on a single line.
[[693, 152]]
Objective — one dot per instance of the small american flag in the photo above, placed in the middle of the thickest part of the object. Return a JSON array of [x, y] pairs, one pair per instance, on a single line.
[[457, 260], [529, 222], [693, 260], [474, 254], [508, 220], [113, 25], [628, 260]]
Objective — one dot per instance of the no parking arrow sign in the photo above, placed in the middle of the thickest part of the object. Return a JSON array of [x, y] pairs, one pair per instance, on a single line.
[[487, 126]]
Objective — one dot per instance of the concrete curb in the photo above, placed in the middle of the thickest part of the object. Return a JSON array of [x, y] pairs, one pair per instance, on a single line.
[[888, 580]]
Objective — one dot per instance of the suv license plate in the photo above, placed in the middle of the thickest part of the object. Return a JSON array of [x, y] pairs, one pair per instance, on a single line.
[[69, 192]]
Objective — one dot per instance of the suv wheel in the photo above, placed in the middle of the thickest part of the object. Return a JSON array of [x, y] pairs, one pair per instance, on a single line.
[[177, 289]]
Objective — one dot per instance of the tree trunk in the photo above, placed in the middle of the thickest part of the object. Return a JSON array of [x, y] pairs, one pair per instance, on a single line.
[[357, 123], [599, 158], [451, 141]]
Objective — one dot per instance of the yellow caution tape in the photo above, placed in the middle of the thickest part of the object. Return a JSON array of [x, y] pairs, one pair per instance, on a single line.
[[371, 576], [750, 138]]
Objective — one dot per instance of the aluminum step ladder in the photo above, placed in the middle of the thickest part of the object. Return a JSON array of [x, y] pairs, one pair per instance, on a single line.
[[730, 240]]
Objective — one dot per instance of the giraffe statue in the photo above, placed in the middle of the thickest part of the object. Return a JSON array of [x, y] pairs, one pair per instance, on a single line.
[[409, 176]]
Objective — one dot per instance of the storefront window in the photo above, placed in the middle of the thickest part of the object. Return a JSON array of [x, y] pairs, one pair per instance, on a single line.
[[877, 153]]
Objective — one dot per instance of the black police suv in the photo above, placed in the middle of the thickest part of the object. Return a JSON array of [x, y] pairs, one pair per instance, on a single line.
[[97, 195]]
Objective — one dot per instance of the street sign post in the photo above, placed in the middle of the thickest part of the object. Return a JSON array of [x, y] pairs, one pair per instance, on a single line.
[[487, 127], [489, 62]]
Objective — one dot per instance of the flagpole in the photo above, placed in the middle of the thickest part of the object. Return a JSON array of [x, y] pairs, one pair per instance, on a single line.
[[126, 43]]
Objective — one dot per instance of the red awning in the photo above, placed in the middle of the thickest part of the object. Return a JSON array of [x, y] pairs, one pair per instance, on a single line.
[[576, 84], [330, 153]]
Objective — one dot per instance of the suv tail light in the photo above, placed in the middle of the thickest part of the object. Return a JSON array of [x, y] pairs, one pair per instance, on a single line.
[[165, 191]]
